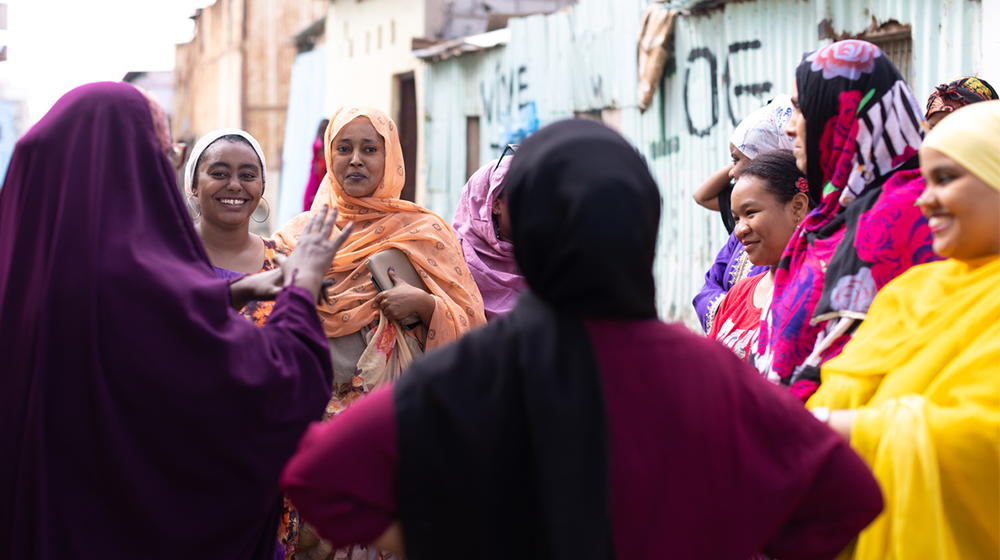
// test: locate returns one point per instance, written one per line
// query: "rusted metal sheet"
(730, 59)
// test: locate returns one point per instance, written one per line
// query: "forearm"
(707, 195)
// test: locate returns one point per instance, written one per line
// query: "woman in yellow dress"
(917, 391)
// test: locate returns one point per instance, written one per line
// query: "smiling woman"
(916, 390)
(225, 183)
(769, 201)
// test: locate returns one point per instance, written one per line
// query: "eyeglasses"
(176, 154)
(512, 148)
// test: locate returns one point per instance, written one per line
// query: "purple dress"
(731, 265)
(140, 415)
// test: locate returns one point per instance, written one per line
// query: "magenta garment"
(490, 260)
(139, 414)
(316, 173)
(698, 469)
(891, 237)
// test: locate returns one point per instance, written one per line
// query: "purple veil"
(490, 260)
(139, 414)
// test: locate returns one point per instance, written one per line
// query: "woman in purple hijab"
(140, 415)
(482, 225)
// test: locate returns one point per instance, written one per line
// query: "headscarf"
(764, 129)
(863, 129)
(922, 373)
(381, 221)
(958, 93)
(507, 412)
(490, 259)
(131, 392)
(971, 138)
(205, 141)
(161, 129)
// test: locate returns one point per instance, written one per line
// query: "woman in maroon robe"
(580, 426)
(140, 415)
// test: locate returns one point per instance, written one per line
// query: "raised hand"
(312, 257)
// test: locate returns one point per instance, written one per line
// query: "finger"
(316, 220)
(396, 280)
(327, 228)
(279, 259)
(342, 238)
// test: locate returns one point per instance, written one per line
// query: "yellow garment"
(971, 137)
(924, 373)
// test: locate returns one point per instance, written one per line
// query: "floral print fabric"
(863, 129)
(257, 311)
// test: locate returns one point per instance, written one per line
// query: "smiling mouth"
(233, 201)
(940, 222)
(749, 245)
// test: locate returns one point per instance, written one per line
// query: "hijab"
(132, 395)
(971, 138)
(490, 259)
(191, 169)
(504, 417)
(382, 221)
(764, 129)
(863, 129)
(958, 93)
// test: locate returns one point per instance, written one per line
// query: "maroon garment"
(708, 460)
(140, 416)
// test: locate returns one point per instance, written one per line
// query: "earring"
(268, 206)
(192, 205)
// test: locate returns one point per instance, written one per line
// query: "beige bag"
(379, 264)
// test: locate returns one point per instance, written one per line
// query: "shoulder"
(275, 246)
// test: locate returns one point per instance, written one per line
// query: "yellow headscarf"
(971, 137)
(382, 221)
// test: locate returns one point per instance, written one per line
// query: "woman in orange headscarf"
(364, 179)
(368, 343)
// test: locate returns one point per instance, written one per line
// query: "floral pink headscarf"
(490, 260)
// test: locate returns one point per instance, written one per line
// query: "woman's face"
(796, 130)
(763, 223)
(230, 183)
(501, 215)
(358, 158)
(740, 160)
(963, 211)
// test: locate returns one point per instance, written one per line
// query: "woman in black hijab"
(580, 426)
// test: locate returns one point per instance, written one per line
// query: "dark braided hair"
(232, 138)
(781, 176)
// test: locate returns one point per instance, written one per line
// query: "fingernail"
(392, 269)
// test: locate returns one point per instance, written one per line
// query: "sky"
(56, 45)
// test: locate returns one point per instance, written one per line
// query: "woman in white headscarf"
(762, 131)
(224, 180)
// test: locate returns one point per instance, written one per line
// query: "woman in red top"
(769, 201)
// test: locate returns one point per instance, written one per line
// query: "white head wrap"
(205, 141)
(764, 129)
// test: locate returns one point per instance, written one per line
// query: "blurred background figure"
(956, 94)
(225, 180)
(917, 390)
(138, 411)
(762, 131)
(482, 225)
(318, 168)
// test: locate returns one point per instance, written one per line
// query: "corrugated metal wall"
(584, 60)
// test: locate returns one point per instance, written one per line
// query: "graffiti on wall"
(499, 94)
(702, 61)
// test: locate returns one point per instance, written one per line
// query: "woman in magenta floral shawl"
(862, 129)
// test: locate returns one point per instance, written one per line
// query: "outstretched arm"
(707, 194)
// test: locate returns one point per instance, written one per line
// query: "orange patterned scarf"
(382, 221)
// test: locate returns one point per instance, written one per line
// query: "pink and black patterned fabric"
(863, 129)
